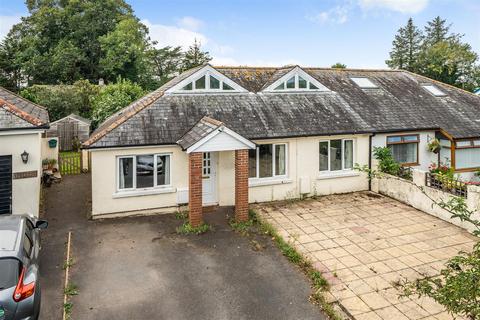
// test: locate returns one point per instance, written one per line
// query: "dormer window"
(364, 83)
(433, 90)
(296, 80)
(207, 79)
(207, 82)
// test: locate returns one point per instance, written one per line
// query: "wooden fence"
(70, 163)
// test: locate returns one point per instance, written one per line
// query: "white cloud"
(403, 6)
(166, 35)
(338, 15)
(190, 23)
(6, 23)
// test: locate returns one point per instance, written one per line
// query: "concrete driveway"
(139, 268)
(363, 242)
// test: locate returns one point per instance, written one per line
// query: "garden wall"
(418, 195)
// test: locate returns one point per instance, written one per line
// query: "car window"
(29, 226)
(27, 245)
(9, 272)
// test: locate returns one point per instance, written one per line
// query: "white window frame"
(257, 163)
(296, 72)
(368, 85)
(155, 178)
(328, 171)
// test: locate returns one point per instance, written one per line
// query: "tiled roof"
(31, 114)
(399, 103)
(200, 130)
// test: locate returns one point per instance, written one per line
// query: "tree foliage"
(62, 41)
(436, 53)
(339, 65)
(114, 97)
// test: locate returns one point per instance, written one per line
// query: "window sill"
(143, 192)
(268, 181)
(341, 174)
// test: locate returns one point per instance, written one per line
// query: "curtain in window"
(467, 158)
(125, 176)
(323, 156)
(348, 154)
(280, 160)
(335, 155)
(404, 153)
(163, 170)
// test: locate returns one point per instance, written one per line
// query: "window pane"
(324, 156)
(145, 171)
(200, 83)
(266, 161)
(313, 87)
(348, 154)
(280, 160)
(302, 83)
(335, 155)
(291, 83)
(405, 152)
(252, 163)
(27, 245)
(281, 86)
(226, 87)
(476, 143)
(467, 158)
(188, 86)
(464, 143)
(214, 83)
(10, 272)
(125, 174)
(394, 139)
(163, 170)
(410, 138)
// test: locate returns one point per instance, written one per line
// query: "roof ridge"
(10, 107)
(213, 121)
(306, 67)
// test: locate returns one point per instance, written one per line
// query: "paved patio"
(364, 242)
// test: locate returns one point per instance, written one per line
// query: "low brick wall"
(418, 195)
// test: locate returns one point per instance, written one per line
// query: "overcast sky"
(306, 32)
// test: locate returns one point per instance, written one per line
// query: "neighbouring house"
(71, 131)
(23, 146)
(234, 135)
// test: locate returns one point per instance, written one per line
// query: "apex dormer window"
(207, 79)
(296, 80)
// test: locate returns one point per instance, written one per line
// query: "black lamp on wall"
(24, 156)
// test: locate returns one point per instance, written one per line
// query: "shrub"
(386, 162)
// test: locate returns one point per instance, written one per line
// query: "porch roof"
(209, 134)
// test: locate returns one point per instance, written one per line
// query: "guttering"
(370, 160)
(42, 127)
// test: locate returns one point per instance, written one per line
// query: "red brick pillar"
(241, 185)
(195, 189)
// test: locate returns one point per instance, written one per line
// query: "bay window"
(143, 171)
(335, 155)
(267, 161)
(404, 148)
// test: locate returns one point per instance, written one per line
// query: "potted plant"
(45, 164)
(434, 146)
(49, 164)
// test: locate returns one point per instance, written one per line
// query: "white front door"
(209, 178)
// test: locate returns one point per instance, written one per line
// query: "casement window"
(335, 155)
(143, 171)
(404, 148)
(467, 154)
(268, 161)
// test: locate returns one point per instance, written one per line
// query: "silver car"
(19, 248)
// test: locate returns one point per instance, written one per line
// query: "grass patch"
(71, 290)
(187, 228)
(67, 307)
(319, 283)
(181, 214)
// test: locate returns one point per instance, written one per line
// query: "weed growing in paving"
(67, 263)
(181, 214)
(71, 290)
(319, 284)
(187, 228)
(67, 307)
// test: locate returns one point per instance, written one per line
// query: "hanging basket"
(52, 143)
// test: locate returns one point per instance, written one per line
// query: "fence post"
(419, 177)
